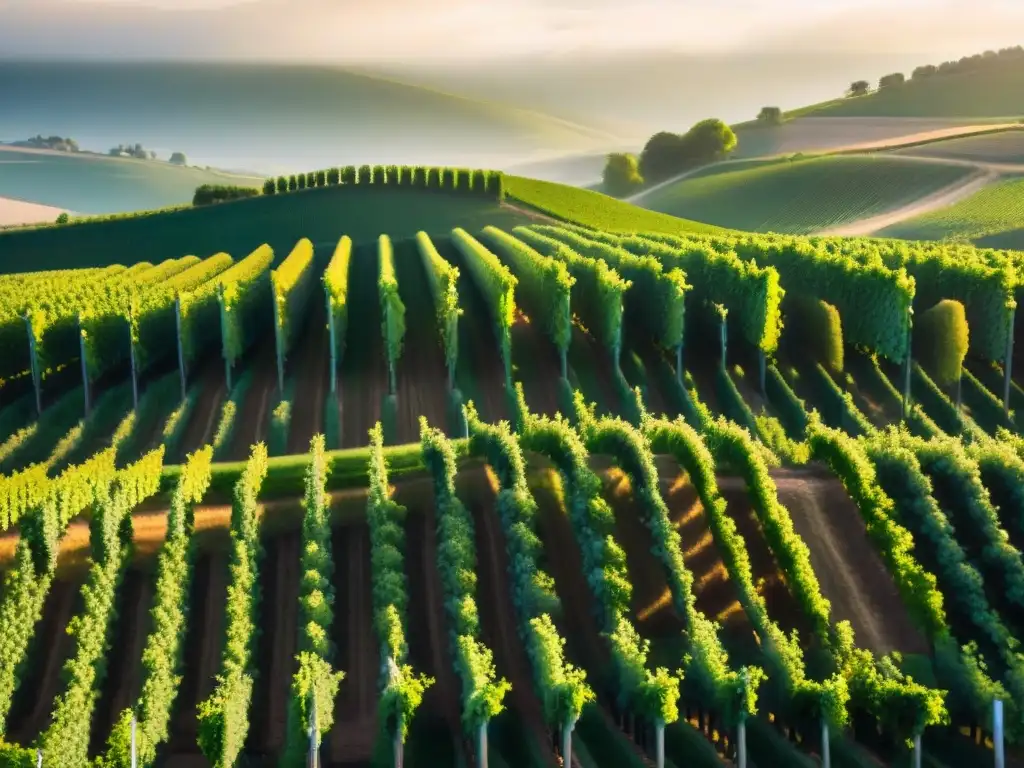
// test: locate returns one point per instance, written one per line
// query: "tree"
(859, 88)
(178, 158)
(63, 218)
(622, 174)
(924, 71)
(269, 187)
(888, 81)
(770, 116)
(668, 154)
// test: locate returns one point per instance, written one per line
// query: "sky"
(348, 31)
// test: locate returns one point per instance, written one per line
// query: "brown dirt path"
(364, 376)
(497, 615)
(851, 573)
(253, 414)
(53, 646)
(586, 355)
(478, 372)
(120, 689)
(429, 647)
(202, 652)
(203, 419)
(770, 583)
(275, 658)
(355, 713)
(310, 366)
(422, 376)
(535, 364)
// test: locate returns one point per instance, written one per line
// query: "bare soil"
(203, 647)
(479, 373)
(276, 648)
(41, 683)
(253, 414)
(588, 357)
(203, 419)
(120, 689)
(498, 618)
(850, 571)
(357, 652)
(364, 375)
(429, 645)
(535, 364)
(422, 375)
(310, 369)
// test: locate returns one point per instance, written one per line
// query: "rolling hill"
(95, 184)
(993, 217)
(801, 196)
(997, 90)
(1004, 147)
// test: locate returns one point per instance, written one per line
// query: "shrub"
(405, 175)
(379, 175)
(269, 187)
(301, 179)
(217, 193)
(333, 177)
(293, 183)
(311, 180)
(321, 177)
(349, 175)
(941, 339)
(63, 218)
(282, 184)
(449, 179)
(419, 176)
(432, 178)
(365, 175)
(816, 330)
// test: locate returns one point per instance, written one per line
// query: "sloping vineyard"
(672, 497)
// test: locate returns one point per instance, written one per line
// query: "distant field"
(971, 94)
(804, 196)
(95, 184)
(323, 215)
(821, 134)
(1005, 147)
(15, 212)
(995, 214)
(578, 170)
(593, 209)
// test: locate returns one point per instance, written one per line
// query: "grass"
(984, 93)
(1002, 146)
(804, 196)
(94, 184)
(993, 213)
(593, 209)
(322, 214)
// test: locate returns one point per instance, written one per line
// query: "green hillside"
(96, 184)
(803, 196)
(320, 214)
(1002, 147)
(991, 217)
(989, 92)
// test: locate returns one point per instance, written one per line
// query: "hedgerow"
(443, 279)
(315, 682)
(401, 688)
(162, 657)
(66, 741)
(392, 310)
(561, 688)
(482, 691)
(224, 714)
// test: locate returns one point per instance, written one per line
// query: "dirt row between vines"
(309, 368)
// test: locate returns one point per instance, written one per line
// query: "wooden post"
(826, 747)
(278, 341)
(396, 744)
(135, 755)
(224, 337)
(679, 365)
(762, 367)
(906, 375)
(135, 371)
(659, 744)
(33, 361)
(481, 746)
(997, 733)
(567, 729)
(313, 759)
(725, 340)
(741, 729)
(85, 367)
(333, 342)
(917, 751)
(39, 758)
(181, 347)
(1008, 364)
(563, 355)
